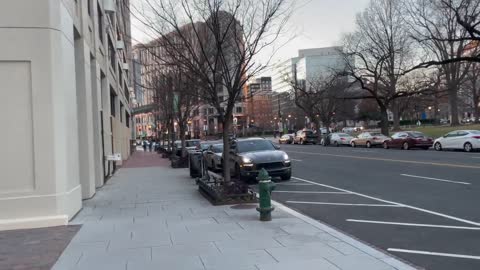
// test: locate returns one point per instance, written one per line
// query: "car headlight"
(246, 160)
(285, 157)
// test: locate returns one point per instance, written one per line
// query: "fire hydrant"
(265, 187)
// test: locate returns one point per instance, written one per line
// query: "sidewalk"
(149, 218)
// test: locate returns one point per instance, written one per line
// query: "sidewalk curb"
(373, 251)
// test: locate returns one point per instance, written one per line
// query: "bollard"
(265, 187)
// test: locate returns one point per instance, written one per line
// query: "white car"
(338, 139)
(468, 140)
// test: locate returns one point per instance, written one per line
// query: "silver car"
(213, 156)
(338, 139)
(249, 156)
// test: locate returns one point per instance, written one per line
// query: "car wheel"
(353, 144)
(467, 147)
(286, 177)
(438, 146)
(385, 145)
(405, 146)
(301, 142)
(369, 145)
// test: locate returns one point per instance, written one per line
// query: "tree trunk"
(384, 120)
(227, 122)
(182, 138)
(396, 115)
(453, 102)
(476, 100)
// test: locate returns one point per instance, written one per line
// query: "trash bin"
(195, 163)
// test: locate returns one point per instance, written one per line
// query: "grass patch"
(438, 131)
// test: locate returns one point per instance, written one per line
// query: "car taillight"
(476, 137)
(374, 138)
(343, 139)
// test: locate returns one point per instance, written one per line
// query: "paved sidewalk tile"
(149, 217)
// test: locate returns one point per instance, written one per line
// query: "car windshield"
(343, 135)
(217, 148)
(308, 132)
(254, 145)
(475, 132)
(192, 143)
(376, 134)
(204, 146)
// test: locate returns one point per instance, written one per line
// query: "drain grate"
(244, 206)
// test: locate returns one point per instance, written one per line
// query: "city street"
(421, 206)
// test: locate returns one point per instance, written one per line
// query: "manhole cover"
(244, 206)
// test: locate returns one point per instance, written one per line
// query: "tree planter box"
(219, 193)
(179, 162)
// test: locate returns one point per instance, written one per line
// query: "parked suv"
(249, 156)
(305, 136)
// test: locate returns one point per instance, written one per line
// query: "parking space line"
(310, 192)
(435, 179)
(414, 224)
(345, 204)
(293, 184)
(391, 160)
(400, 204)
(296, 159)
(434, 253)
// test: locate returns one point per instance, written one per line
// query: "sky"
(314, 24)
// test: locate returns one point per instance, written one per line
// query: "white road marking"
(346, 204)
(434, 253)
(399, 204)
(414, 224)
(475, 157)
(293, 184)
(435, 179)
(311, 192)
(296, 159)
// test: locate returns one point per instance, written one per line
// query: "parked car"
(249, 156)
(287, 138)
(468, 140)
(305, 136)
(190, 145)
(338, 139)
(369, 139)
(409, 139)
(213, 156)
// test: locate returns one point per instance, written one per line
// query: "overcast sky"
(316, 23)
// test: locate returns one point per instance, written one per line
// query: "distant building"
(259, 104)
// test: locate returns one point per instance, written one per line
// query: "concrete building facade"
(64, 71)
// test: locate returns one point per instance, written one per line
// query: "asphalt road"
(421, 206)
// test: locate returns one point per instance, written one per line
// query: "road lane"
(381, 174)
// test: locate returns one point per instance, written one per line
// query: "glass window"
(217, 148)
(254, 145)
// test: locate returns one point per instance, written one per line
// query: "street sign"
(115, 157)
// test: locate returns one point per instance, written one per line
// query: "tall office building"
(64, 70)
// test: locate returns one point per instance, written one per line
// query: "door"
(398, 139)
(448, 140)
(460, 139)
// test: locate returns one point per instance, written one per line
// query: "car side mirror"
(276, 147)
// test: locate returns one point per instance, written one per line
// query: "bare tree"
(217, 42)
(472, 84)
(378, 54)
(319, 98)
(436, 28)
